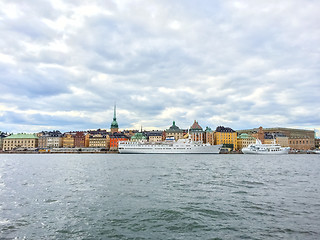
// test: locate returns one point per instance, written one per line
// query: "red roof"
(196, 125)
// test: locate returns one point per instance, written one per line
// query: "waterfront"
(117, 196)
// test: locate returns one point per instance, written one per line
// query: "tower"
(114, 124)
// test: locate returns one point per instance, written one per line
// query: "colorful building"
(244, 140)
(50, 139)
(196, 132)
(225, 136)
(114, 140)
(20, 141)
(98, 141)
(68, 140)
(154, 136)
(298, 139)
(174, 131)
(80, 139)
(208, 136)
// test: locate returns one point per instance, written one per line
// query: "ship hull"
(213, 149)
(249, 151)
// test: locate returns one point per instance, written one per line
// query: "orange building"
(114, 140)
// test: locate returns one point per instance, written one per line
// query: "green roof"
(138, 136)
(245, 136)
(22, 136)
(208, 129)
(174, 128)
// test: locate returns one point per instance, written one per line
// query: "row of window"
(298, 142)
(18, 141)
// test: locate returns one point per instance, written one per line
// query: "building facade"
(114, 140)
(244, 140)
(226, 136)
(50, 139)
(20, 141)
(196, 132)
(174, 131)
(68, 140)
(298, 139)
(209, 136)
(155, 136)
(80, 139)
(98, 141)
(2, 136)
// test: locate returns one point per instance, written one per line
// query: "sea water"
(114, 196)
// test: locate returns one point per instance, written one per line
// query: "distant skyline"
(239, 64)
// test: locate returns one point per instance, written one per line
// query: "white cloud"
(237, 63)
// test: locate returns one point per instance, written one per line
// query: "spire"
(114, 113)
(114, 124)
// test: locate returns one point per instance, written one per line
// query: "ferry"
(168, 147)
(260, 148)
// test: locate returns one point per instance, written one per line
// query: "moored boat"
(168, 147)
(260, 148)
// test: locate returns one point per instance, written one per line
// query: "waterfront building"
(226, 136)
(98, 141)
(278, 138)
(80, 139)
(174, 131)
(115, 138)
(2, 136)
(50, 139)
(209, 136)
(154, 136)
(20, 141)
(244, 140)
(114, 125)
(299, 139)
(68, 140)
(196, 132)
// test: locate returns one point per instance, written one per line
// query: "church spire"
(114, 113)
(114, 124)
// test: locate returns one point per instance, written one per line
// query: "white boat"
(317, 151)
(168, 147)
(260, 148)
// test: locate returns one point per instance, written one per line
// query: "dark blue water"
(159, 197)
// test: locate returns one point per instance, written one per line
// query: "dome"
(138, 136)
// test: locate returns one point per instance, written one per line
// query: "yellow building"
(20, 140)
(244, 140)
(68, 140)
(226, 136)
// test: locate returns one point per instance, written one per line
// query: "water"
(159, 197)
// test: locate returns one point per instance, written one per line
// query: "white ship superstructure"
(168, 147)
(260, 148)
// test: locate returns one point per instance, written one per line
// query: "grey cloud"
(134, 53)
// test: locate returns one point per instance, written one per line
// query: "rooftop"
(23, 136)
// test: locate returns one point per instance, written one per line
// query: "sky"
(239, 64)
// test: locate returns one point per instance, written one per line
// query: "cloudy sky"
(241, 64)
